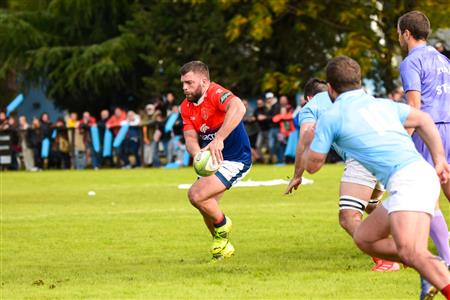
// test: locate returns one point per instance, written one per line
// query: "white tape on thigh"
(349, 202)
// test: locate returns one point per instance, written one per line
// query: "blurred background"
(72, 57)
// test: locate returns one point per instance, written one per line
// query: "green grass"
(139, 238)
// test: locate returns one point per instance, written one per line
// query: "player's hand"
(443, 171)
(293, 185)
(215, 147)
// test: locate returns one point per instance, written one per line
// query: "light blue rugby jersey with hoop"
(312, 110)
(370, 131)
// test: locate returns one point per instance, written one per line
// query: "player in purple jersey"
(425, 77)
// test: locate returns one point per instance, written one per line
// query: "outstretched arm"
(312, 161)
(304, 140)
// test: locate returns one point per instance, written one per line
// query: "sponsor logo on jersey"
(204, 128)
(208, 137)
(224, 97)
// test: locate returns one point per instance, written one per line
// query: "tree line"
(91, 54)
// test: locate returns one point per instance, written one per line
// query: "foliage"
(362, 29)
(97, 54)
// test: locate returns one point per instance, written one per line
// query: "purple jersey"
(427, 71)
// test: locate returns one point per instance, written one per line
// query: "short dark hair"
(343, 74)
(416, 23)
(314, 86)
(195, 66)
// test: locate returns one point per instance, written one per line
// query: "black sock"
(221, 223)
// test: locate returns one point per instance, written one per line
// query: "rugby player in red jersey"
(212, 119)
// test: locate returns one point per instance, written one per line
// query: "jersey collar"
(417, 48)
(352, 93)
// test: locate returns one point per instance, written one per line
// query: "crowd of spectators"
(151, 137)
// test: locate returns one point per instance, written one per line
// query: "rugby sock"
(439, 235)
(221, 223)
(446, 292)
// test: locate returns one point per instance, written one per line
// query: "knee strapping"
(353, 203)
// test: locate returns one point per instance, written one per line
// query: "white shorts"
(414, 188)
(231, 172)
(354, 172)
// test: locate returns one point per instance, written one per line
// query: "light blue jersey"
(312, 110)
(370, 131)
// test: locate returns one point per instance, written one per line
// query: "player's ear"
(331, 92)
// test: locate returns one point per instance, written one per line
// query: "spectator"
(15, 144)
(114, 123)
(60, 158)
(251, 126)
(3, 121)
(116, 120)
(274, 143)
(263, 120)
(158, 138)
(397, 95)
(286, 125)
(101, 124)
(132, 141)
(169, 103)
(84, 126)
(173, 129)
(72, 120)
(24, 142)
(35, 137)
(441, 48)
(148, 128)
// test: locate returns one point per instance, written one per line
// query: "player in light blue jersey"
(359, 189)
(372, 132)
(425, 77)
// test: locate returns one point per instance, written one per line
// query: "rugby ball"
(204, 165)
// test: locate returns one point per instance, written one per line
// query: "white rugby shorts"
(231, 172)
(415, 187)
(354, 172)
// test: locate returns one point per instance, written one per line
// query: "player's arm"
(325, 133)
(191, 139)
(312, 161)
(304, 140)
(413, 98)
(427, 130)
(235, 111)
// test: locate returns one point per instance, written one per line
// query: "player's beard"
(196, 95)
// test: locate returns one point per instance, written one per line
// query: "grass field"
(139, 238)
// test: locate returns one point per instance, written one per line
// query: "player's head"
(412, 25)
(343, 74)
(314, 86)
(195, 79)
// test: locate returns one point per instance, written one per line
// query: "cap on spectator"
(269, 95)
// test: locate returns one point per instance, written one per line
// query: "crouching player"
(212, 118)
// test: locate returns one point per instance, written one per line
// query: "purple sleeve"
(410, 73)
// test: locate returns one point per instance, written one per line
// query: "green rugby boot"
(221, 236)
(226, 252)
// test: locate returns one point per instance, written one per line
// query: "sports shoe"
(221, 236)
(427, 290)
(385, 265)
(226, 252)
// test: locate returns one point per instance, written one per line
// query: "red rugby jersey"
(207, 117)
